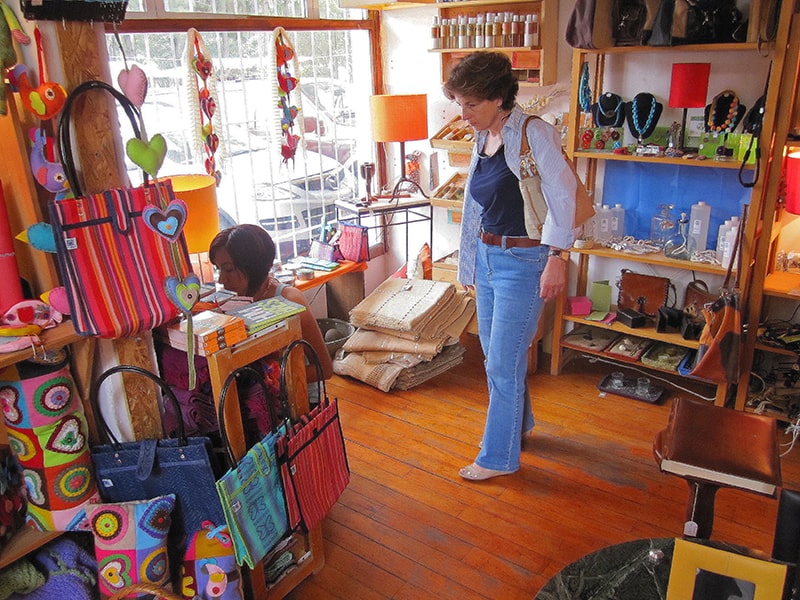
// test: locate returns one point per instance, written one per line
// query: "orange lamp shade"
(199, 192)
(689, 85)
(399, 118)
(793, 182)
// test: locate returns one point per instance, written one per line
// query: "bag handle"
(65, 138)
(526, 162)
(311, 353)
(165, 389)
(229, 380)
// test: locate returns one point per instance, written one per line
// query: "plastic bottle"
(723, 229)
(603, 231)
(436, 34)
(730, 242)
(617, 221)
(699, 217)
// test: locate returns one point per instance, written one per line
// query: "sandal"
(475, 472)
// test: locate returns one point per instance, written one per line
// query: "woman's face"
(481, 114)
(230, 277)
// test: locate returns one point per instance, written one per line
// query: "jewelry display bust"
(642, 114)
(608, 111)
(724, 113)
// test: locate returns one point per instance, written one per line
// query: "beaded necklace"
(640, 131)
(584, 93)
(609, 113)
(717, 125)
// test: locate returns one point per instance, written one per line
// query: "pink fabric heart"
(133, 83)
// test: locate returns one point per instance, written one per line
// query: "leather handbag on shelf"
(697, 295)
(145, 469)
(643, 293)
(119, 252)
(250, 491)
(311, 454)
(697, 22)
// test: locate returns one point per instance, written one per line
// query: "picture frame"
(700, 571)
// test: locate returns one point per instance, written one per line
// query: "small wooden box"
(530, 59)
(456, 136)
(451, 193)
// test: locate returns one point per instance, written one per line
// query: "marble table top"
(635, 570)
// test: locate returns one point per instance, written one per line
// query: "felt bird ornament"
(9, 28)
(44, 101)
(49, 174)
(40, 236)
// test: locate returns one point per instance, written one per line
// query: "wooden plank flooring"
(408, 527)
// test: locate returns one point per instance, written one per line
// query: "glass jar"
(680, 246)
(662, 225)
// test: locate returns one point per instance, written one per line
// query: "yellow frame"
(769, 578)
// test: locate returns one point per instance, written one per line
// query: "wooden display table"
(220, 364)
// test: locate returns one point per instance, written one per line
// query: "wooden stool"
(713, 447)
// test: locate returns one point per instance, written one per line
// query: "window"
(290, 199)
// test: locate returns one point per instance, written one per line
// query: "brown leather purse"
(642, 293)
(696, 297)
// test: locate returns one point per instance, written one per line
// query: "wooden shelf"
(59, 336)
(782, 285)
(643, 332)
(24, 541)
(654, 258)
(663, 160)
(740, 46)
(482, 3)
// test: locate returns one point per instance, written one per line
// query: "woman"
(244, 255)
(512, 273)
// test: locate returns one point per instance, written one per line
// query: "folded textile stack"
(408, 332)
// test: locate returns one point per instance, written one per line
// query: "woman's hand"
(554, 278)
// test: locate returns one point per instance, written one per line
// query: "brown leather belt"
(511, 242)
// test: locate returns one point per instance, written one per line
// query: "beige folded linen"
(402, 304)
(364, 340)
(448, 358)
(397, 358)
(380, 376)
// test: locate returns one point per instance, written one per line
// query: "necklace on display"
(638, 129)
(612, 113)
(716, 122)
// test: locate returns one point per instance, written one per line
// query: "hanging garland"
(288, 94)
(201, 86)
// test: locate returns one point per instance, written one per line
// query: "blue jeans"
(508, 308)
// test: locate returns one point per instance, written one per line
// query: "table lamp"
(688, 89)
(793, 182)
(199, 192)
(400, 118)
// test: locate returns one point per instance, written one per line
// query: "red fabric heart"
(209, 106)
(212, 142)
(202, 67)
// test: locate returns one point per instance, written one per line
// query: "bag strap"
(313, 357)
(64, 133)
(165, 389)
(229, 380)
(755, 136)
(526, 162)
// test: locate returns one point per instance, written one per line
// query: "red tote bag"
(311, 455)
(120, 261)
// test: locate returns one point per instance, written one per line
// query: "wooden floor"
(408, 527)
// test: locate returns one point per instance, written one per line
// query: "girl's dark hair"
(251, 249)
(485, 76)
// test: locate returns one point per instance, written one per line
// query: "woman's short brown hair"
(251, 249)
(484, 76)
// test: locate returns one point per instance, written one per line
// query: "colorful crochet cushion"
(130, 542)
(209, 570)
(48, 433)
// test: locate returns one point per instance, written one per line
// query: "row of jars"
(487, 30)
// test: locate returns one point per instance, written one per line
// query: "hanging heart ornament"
(133, 83)
(183, 293)
(148, 156)
(168, 223)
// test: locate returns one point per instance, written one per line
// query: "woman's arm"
(312, 334)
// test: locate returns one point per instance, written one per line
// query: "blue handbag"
(250, 492)
(144, 469)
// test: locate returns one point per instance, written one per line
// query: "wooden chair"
(712, 447)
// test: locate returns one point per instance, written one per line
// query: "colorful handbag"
(145, 469)
(250, 492)
(353, 242)
(121, 253)
(311, 454)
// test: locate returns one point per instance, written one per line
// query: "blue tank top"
(496, 189)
